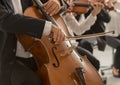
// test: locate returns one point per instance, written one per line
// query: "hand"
(52, 7)
(109, 4)
(69, 9)
(97, 8)
(77, 9)
(57, 34)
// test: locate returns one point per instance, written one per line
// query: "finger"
(47, 5)
(51, 9)
(55, 36)
(62, 37)
(58, 37)
(55, 11)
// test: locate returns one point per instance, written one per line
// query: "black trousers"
(24, 73)
(115, 43)
(116, 60)
(86, 45)
(90, 57)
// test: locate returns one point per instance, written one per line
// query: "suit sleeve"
(104, 15)
(15, 23)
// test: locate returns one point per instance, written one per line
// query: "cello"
(58, 64)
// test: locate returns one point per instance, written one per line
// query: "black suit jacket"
(99, 26)
(11, 24)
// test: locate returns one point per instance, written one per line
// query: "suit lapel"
(8, 4)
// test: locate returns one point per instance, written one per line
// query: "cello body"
(58, 64)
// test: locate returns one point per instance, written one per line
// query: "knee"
(97, 66)
(95, 62)
(25, 79)
(86, 45)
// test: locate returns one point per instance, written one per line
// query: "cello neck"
(41, 9)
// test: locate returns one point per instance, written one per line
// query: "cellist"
(12, 22)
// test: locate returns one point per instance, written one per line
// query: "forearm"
(12, 23)
(80, 27)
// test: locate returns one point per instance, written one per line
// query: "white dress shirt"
(114, 24)
(79, 27)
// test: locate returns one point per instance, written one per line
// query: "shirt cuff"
(47, 28)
